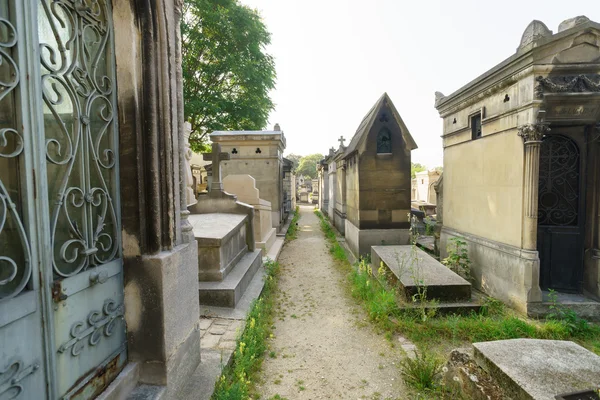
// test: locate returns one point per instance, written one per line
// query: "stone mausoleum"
(260, 155)
(369, 180)
(522, 170)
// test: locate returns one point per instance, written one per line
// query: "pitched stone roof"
(369, 120)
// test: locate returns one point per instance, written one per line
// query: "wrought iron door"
(60, 189)
(560, 236)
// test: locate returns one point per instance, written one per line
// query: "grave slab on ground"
(414, 268)
(539, 369)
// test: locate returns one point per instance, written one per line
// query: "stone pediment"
(371, 118)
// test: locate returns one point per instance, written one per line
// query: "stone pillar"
(532, 139)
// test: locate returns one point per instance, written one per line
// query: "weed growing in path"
(292, 232)
(421, 372)
(236, 381)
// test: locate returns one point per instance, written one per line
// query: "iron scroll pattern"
(11, 377)
(589, 83)
(98, 324)
(14, 272)
(558, 203)
(78, 92)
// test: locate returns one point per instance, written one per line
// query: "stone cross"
(216, 157)
(341, 140)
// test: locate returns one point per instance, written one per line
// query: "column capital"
(533, 133)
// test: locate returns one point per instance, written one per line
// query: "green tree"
(227, 73)
(416, 167)
(308, 165)
(295, 159)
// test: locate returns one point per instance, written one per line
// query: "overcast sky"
(335, 58)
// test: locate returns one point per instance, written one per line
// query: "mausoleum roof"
(369, 120)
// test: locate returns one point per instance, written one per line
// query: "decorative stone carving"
(189, 178)
(439, 96)
(567, 84)
(572, 22)
(533, 132)
(536, 30)
(216, 186)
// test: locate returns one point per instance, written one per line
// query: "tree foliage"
(308, 165)
(295, 159)
(416, 167)
(227, 73)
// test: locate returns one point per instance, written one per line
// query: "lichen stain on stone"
(133, 306)
(131, 245)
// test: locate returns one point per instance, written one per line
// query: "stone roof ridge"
(369, 119)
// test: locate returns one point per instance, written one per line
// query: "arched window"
(384, 141)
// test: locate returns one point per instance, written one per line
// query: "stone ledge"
(211, 230)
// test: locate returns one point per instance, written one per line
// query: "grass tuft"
(292, 232)
(237, 379)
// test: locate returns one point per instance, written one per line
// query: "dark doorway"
(560, 214)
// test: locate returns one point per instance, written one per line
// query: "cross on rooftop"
(216, 157)
(341, 140)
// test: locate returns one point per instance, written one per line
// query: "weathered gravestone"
(224, 231)
(539, 369)
(415, 269)
(244, 187)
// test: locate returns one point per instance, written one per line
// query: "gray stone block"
(414, 268)
(539, 369)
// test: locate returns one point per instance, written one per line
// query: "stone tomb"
(539, 369)
(227, 255)
(413, 268)
(244, 187)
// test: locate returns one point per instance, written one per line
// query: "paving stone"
(210, 341)
(227, 344)
(222, 322)
(205, 323)
(217, 330)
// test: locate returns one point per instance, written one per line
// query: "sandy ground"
(324, 347)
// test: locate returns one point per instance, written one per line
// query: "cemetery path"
(324, 346)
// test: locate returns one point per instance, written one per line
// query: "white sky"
(334, 58)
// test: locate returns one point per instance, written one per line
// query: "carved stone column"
(532, 138)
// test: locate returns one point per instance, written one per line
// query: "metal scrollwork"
(11, 377)
(77, 89)
(558, 203)
(98, 324)
(15, 270)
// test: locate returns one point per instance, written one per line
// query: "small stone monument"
(244, 187)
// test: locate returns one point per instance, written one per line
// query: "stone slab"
(413, 268)
(213, 228)
(539, 369)
(275, 250)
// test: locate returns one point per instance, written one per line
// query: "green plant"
(236, 380)
(458, 258)
(292, 232)
(429, 226)
(572, 322)
(421, 372)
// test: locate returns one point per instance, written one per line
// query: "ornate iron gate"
(62, 332)
(559, 221)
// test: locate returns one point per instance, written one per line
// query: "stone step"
(147, 392)
(414, 268)
(452, 307)
(229, 291)
(275, 250)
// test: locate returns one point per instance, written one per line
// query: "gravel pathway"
(324, 346)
